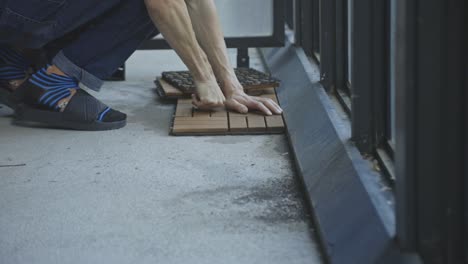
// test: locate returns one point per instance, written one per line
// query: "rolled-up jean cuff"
(72, 70)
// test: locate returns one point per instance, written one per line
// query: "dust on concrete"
(281, 198)
(229, 140)
(272, 202)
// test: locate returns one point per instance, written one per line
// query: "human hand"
(209, 96)
(241, 102)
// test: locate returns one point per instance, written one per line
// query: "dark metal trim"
(345, 194)
(275, 40)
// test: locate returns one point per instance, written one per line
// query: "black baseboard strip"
(354, 215)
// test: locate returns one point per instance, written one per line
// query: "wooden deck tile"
(190, 121)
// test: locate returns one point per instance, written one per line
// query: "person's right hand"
(209, 96)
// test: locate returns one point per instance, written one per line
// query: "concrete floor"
(137, 195)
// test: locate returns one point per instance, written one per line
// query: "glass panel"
(246, 18)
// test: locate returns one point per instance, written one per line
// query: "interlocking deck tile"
(190, 121)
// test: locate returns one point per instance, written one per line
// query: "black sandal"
(5, 96)
(83, 112)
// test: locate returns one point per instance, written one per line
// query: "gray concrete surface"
(137, 195)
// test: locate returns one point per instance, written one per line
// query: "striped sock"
(13, 65)
(56, 88)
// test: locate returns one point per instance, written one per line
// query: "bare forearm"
(208, 31)
(173, 21)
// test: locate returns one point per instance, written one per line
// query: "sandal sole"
(28, 116)
(7, 99)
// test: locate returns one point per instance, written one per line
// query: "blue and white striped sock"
(13, 65)
(56, 88)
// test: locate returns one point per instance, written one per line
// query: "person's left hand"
(209, 96)
(241, 102)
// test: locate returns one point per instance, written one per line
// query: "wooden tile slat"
(184, 110)
(236, 114)
(221, 113)
(169, 90)
(185, 101)
(198, 113)
(271, 96)
(191, 125)
(256, 122)
(275, 123)
(237, 124)
(201, 121)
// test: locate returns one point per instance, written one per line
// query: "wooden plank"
(270, 96)
(185, 101)
(256, 122)
(169, 90)
(260, 92)
(200, 113)
(197, 125)
(220, 113)
(200, 120)
(238, 124)
(236, 114)
(275, 123)
(184, 110)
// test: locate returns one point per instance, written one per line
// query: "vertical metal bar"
(341, 47)
(452, 139)
(289, 13)
(307, 26)
(243, 59)
(298, 22)
(465, 132)
(328, 44)
(362, 73)
(405, 161)
(430, 160)
(279, 18)
(316, 25)
(429, 68)
(380, 66)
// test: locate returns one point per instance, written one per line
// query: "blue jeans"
(89, 39)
